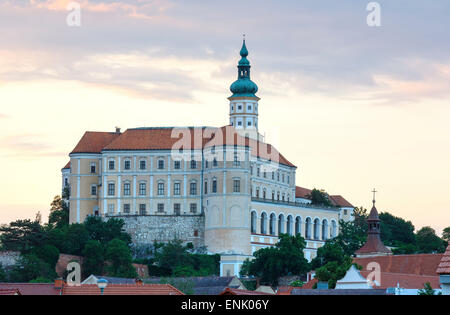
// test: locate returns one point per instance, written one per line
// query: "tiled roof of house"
(67, 166)
(94, 142)
(9, 292)
(336, 200)
(296, 291)
(340, 201)
(301, 192)
(287, 290)
(406, 281)
(31, 288)
(373, 245)
(444, 265)
(419, 264)
(167, 138)
(116, 280)
(122, 289)
(212, 285)
(229, 291)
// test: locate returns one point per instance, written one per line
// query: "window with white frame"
(126, 189)
(193, 188)
(111, 165)
(142, 189)
(93, 168)
(94, 190)
(236, 185)
(142, 209)
(111, 189)
(142, 165)
(193, 207)
(176, 188)
(127, 165)
(160, 164)
(126, 208)
(177, 165)
(214, 186)
(160, 207)
(160, 189)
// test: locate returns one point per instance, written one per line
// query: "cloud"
(4, 116)
(27, 146)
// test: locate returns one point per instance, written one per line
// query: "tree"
(119, 258)
(285, 258)
(329, 252)
(30, 267)
(3, 276)
(427, 290)
(75, 238)
(396, 231)
(429, 242)
(48, 253)
(319, 197)
(59, 213)
(106, 231)
(446, 234)
(172, 255)
(22, 235)
(94, 258)
(332, 271)
(405, 249)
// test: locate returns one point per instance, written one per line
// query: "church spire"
(243, 86)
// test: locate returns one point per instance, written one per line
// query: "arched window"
(308, 228)
(298, 226)
(324, 230)
(280, 224)
(289, 225)
(333, 229)
(316, 229)
(263, 223)
(253, 222)
(272, 226)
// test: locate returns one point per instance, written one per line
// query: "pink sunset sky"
(354, 107)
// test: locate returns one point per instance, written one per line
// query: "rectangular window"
(160, 164)
(215, 162)
(160, 207)
(111, 209)
(111, 189)
(193, 164)
(126, 189)
(142, 209)
(177, 165)
(94, 190)
(111, 165)
(257, 172)
(126, 208)
(214, 186)
(176, 209)
(93, 170)
(127, 165)
(282, 178)
(236, 185)
(206, 188)
(193, 207)
(160, 189)
(142, 189)
(193, 189)
(236, 161)
(142, 165)
(176, 189)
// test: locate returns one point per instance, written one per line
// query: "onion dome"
(243, 86)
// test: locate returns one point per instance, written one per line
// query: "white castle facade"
(224, 188)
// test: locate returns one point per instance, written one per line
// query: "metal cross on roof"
(374, 192)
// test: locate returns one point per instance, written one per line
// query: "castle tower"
(244, 102)
(373, 246)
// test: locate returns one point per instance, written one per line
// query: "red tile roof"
(94, 142)
(31, 288)
(444, 265)
(406, 281)
(122, 289)
(340, 201)
(420, 264)
(229, 291)
(9, 292)
(287, 290)
(301, 192)
(373, 245)
(166, 138)
(67, 166)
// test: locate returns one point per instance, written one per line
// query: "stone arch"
(253, 221)
(281, 223)
(272, 224)
(263, 223)
(316, 228)
(298, 225)
(333, 228)
(308, 227)
(324, 229)
(289, 224)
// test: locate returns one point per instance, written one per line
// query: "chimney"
(117, 129)
(59, 285)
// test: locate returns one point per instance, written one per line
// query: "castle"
(223, 188)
